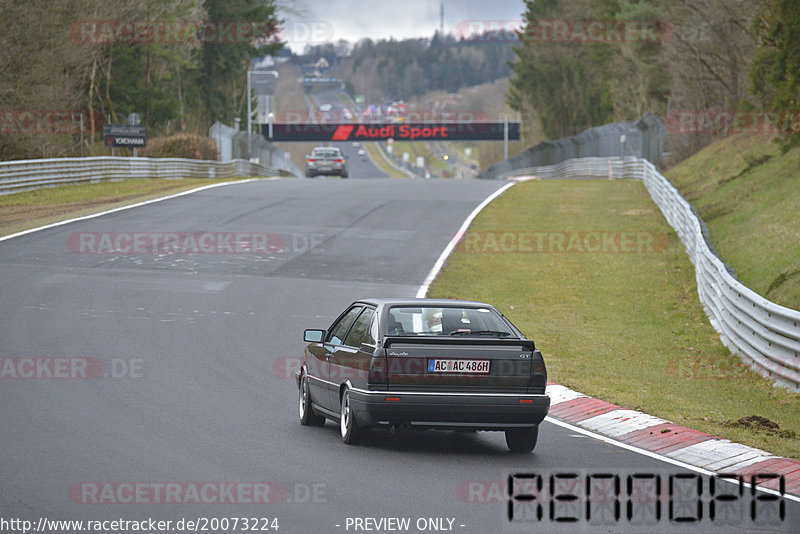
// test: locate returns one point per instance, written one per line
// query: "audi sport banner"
(124, 136)
(417, 131)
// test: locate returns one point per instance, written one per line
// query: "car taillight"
(311, 160)
(339, 161)
(377, 370)
(538, 376)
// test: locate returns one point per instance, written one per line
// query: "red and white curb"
(666, 439)
(645, 433)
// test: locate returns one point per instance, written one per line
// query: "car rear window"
(445, 321)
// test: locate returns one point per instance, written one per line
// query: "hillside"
(748, 193)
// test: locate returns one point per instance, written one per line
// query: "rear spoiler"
(526, 344)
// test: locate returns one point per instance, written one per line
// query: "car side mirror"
(313, 335)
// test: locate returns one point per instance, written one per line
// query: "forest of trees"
(179, 63)
(723, 56)
(402, 69)
(412, 67)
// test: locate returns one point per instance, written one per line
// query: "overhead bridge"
(414, 131)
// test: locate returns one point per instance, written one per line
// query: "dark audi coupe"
(422, 364)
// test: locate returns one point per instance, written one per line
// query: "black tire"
(522, 440)
(307, 415)
(344, 175)
(309, 174)
(351, 432)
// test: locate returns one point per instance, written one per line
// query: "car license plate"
(477, 367)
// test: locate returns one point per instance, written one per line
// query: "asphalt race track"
(199, 351)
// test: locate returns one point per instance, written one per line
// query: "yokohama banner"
(442, 131)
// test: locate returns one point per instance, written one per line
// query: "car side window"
(339, 330)
(360, 333)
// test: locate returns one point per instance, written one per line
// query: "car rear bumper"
(334, 171)
(441, 410)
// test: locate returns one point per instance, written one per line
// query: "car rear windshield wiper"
(480, 333)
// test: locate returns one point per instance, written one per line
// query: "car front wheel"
(351, 432)
(307, 415)
(522, 440)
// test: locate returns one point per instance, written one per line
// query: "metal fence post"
(505, 137)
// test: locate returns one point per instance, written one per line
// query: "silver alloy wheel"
(344, 420)
(303, 397)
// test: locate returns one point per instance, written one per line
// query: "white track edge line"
(656, 456)
(129, 206)
(423, 289)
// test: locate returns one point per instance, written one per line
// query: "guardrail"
(23, 175)
(764, 334)
(405, 167)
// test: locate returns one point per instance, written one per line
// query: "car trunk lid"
(463, 364)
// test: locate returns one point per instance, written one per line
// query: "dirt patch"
(782, 278)
(758, 423)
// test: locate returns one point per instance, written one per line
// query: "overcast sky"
(315, 21)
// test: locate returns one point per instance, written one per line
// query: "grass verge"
(622, 323)
(31, 209)
(748, 193)
(374, 154)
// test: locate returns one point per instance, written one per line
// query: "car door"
(351, 359)
(333, 343)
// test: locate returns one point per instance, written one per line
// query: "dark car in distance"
(423, 364)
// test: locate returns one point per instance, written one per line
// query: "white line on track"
(654, 455)
(129, 206)
(423, 290)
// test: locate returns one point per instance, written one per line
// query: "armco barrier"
(642, 139)
(35, 173)
(764, 334)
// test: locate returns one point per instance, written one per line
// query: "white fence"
(762, 333)
(35, 173)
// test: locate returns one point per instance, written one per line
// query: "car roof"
(420, 302)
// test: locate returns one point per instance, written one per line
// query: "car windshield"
(325, 153)
(445, 321)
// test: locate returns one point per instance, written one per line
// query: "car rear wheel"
(522, 440)
(307, 415)
(351, 432)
